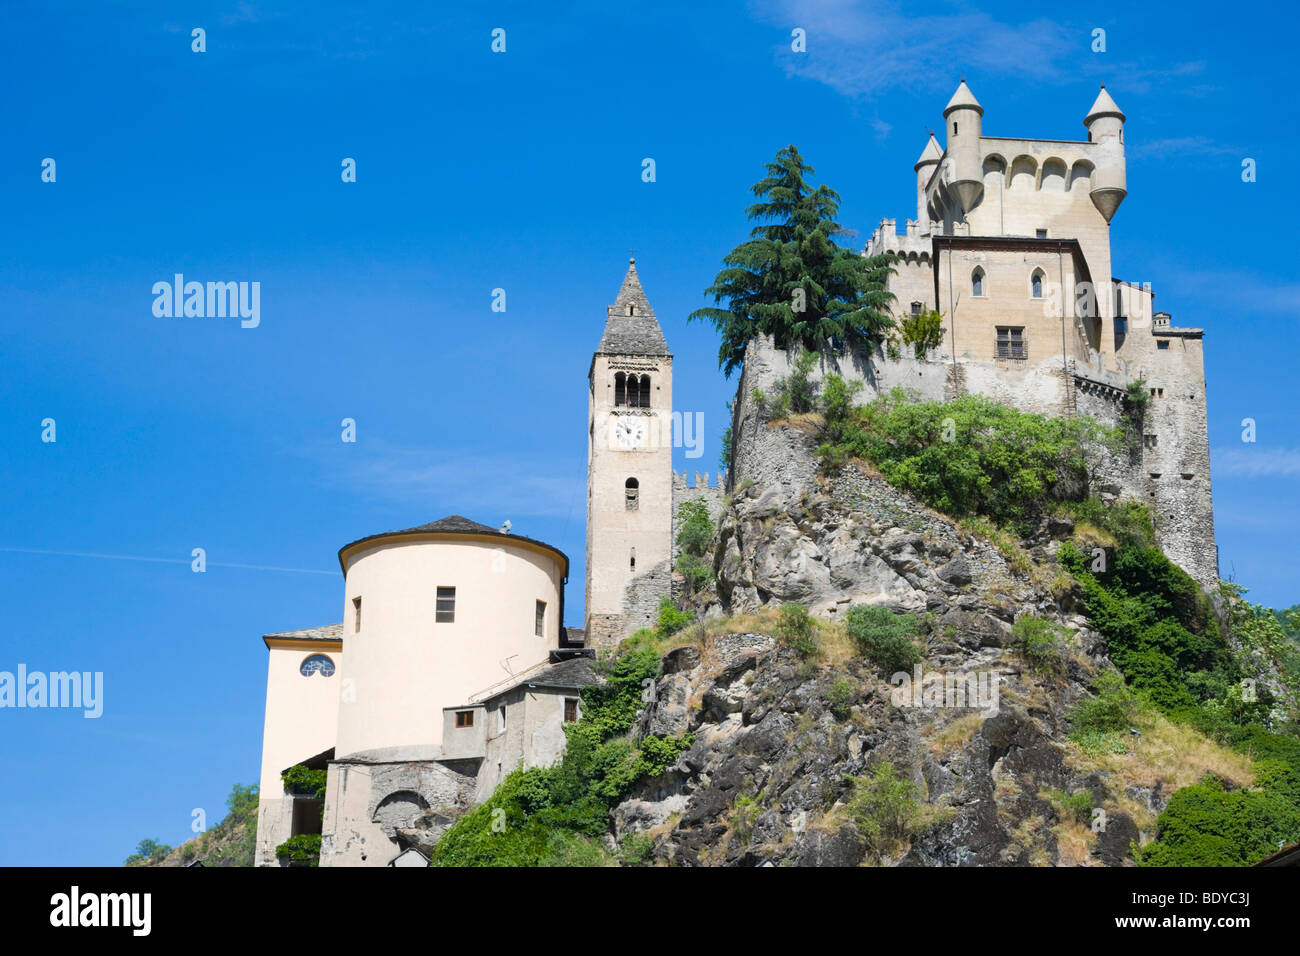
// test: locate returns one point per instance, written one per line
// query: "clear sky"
(476, 171)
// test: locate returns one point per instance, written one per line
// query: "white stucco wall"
(403, 667)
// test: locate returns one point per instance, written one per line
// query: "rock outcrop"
(779, 735)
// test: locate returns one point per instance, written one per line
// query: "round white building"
(434, 616)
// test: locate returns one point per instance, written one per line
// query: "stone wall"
(1170, 472)
(368, 799)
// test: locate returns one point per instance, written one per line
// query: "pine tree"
(790, 280)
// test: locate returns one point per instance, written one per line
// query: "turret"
(925, 166)
(1105, 123)
(963, 117)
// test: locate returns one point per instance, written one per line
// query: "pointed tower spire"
(1104, 106)
(630, 324)
(931, 154)
(963, 99)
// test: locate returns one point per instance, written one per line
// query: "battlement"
(702, 482)
(914, 243)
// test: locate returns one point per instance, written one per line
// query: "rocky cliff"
(791, 738)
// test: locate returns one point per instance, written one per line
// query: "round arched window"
(317, 664)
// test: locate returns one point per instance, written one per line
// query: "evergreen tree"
(790, 280)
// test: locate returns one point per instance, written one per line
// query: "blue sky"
(478, 171)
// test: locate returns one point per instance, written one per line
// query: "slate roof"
(636, 334)
(456, 524)
(572, 674)
(327, 632)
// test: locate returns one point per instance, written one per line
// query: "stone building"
(1011, 245)
(453, 666)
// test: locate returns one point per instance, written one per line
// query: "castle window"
(916, 308)
(1036, 284)
(632, 561)
(446, 609)
(1151, 440)
(631, 309)
(570, 710)
(620, 388)
(977, 282)
(539, 619)
(1041, 234)
(464, 718)
(631, 494)
(1162, 345)
(1011, 342)
(501, 719)
(356, 615)
(954, 128)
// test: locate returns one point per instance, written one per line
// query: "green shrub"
(557, 816)
(972, 455)
(303, 848)
(670, 619)
(636, 850)
(884, 807)
(1114, 708)
(796, 628)
(1073, 806)
(148, 851)
(694, 528)
(1036, 640)
(1208, 825)
(923, 332)
(301, 781)
(797, 392)
(887, 639)
(839, 698)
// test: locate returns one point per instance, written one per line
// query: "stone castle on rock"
(452, 665)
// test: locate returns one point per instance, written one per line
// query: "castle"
(452, 665)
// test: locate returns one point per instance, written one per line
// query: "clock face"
(629, 433)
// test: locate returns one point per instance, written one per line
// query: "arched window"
(631, 494)
(645, 391)
(1036, 283)
(977, 282)
(620, 388)
(316, 664)
(631, 309)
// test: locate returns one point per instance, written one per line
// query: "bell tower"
(629, 469)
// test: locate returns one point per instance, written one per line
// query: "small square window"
(1162, 345)
(1011, 342)
(446, 609)
(539, 622)
(464, 718)
(1041, 234)
(570, 710)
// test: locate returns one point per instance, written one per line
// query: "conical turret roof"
(1104, 106)
(963, 98)
(931, 154)
(630, 324)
